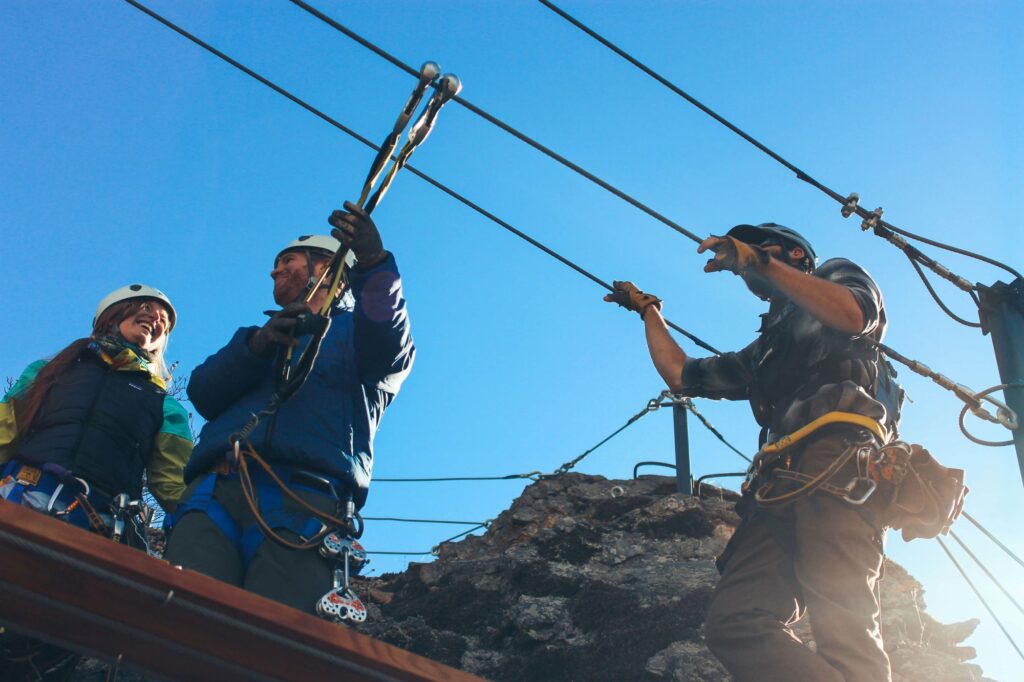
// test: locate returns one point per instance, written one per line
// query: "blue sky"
(130, 154)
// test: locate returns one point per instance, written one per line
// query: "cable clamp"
(873, 219)
(851, 205)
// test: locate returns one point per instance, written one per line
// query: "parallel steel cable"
(423, 176)
(410, 70)
(437, 521)
(982, 566)
(547, 151)
(511, 477)
(980, 598)
(800, 174)
(993, 538)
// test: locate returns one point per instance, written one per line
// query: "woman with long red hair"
(81, 434)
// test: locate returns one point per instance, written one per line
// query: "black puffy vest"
(99, 423)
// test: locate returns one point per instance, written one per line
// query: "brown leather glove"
(628, 296)
(355, 229)
(733, 255)
(278, 329)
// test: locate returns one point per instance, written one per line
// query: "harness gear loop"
(851, 205)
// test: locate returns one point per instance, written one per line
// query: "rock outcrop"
(589, 579)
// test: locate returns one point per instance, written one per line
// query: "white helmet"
(323, 244)
(133, 291)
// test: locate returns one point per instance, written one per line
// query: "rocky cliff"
(589, 579)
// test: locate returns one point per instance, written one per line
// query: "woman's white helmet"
(133, 291)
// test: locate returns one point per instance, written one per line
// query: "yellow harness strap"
(868, 423)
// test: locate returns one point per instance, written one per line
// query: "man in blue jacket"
(319, 442)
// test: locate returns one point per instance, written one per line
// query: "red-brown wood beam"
(84, 592)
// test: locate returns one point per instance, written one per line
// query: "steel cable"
(800, 174)
(980, 598)
(982, 566)
(547, 151)
(993, 538)
(423, 176)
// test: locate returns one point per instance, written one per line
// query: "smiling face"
(290, 275)
(146, 325)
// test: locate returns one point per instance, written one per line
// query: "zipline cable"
(800, 174)
(848, 208)
(982, 566)
(423, 176)
(980, 598)
(993, 538)
(547, 151)
(1004, 417)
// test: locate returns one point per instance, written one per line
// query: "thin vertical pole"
(1002, 315)
(684, 482)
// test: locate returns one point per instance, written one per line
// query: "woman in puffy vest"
(82, 433)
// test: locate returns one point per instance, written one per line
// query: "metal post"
(684, 482)
(1002, 315)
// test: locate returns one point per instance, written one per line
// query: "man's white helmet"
(133, 291)
(323, 244)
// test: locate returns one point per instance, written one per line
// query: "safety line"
(436, 548)
(991, 537)
(400, 520)
(696, 413)
(533, 476)
(423, 176)
(547, 151)
(980, 598)
(982, 566)
(632, 420)
(800, 174)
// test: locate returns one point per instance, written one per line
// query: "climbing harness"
(924, 497)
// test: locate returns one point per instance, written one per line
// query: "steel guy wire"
(848, 208)
(848, 201)
(547, 151)
(980, 598)
(912, 364)
(437, 521)
(993, 538)
(423, 176)
(436, 549)
(688, 404)
(533, 476)
(987, 572)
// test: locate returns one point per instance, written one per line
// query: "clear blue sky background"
(130, 154)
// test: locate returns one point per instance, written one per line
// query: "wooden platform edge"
(84, 592)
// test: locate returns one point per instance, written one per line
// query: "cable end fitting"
(850, 207)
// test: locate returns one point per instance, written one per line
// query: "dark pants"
(821, 555)
(292, 577)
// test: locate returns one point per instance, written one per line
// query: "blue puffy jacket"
(328, 425)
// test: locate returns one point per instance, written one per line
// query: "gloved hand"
(733, 255)
(354, 228)
(278, 329)
(628, 296)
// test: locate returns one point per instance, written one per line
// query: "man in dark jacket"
(809, 367)
(319, 442)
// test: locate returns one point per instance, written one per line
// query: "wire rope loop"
(1004, 416)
